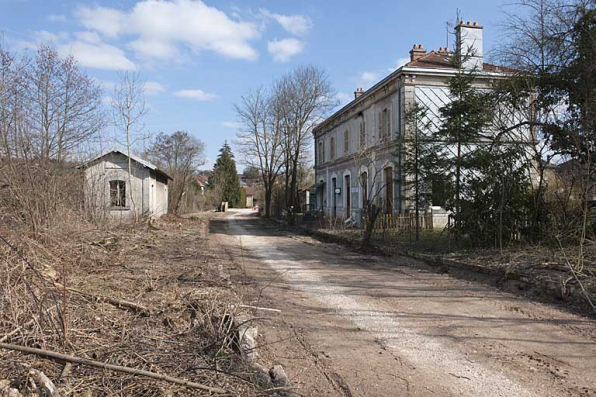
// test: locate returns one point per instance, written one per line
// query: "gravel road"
(356, 325)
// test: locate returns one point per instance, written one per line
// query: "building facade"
(114, 192)
(358, 150)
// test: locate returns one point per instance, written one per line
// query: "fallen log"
(116, 368)
(113, 301)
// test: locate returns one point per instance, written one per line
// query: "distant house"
(203, 183)
(251, 201)
(112, 191)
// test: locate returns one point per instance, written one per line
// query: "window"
(364, 184)
(346, 142)
(321, 153)
(118, 194)
(387, 122)
(332, 154)
(362, 134)
(389, 190)
(384, 123)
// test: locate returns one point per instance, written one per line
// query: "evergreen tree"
(225, 177)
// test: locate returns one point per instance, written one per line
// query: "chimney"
(444, 51)
(469, 45)
(358, 92)
(417, 52)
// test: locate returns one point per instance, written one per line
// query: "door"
(334, 203)
(348, 197)
(389, 190)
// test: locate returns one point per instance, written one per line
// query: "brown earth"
(356, 325)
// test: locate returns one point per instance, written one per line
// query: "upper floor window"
(332, 148)
(321, 153)
(384, 123)
(346, 141)
(118, 194)
(362, 134)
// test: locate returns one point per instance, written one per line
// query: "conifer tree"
(225, 177)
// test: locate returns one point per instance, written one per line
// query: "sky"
(199, 57)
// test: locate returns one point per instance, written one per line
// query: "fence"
(388, 224)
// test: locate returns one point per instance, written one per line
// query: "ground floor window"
(118, 194)
(389, 190)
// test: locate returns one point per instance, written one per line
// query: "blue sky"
(199, 57)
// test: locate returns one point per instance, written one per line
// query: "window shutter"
(388, 131)
(380, 125)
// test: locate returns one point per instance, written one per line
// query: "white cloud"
(283, 50)
(43, 36)
(399, 63)
(197, 94)
(153, 88)
(91, 52)
(231, 124)
(107, 21)
(343, 98)
(297, 25)
(161, 28)
(369, 78)
(105, 84)
(56, 18)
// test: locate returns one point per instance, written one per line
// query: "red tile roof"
(202, 180)
(436, 60)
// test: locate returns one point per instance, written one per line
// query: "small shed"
(113, 191)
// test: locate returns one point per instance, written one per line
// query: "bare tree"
(180, 155)
(48, 109)
(303, 98)
(260, 138)
(65, 104)
(372, 181)
(128, 106)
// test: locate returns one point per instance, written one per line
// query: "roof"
(249, 191)
(431, 60)
(139, 160)
(202, 180)
(441, 60)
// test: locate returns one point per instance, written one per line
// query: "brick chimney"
(359, 91)
(417, 52)
(469, 45)
(444, 51)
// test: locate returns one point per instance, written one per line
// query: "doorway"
(334, 203)
(348, 196)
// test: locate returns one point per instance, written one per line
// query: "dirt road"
(355, 325)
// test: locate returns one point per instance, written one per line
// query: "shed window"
(118, 194)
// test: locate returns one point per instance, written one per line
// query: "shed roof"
(139, 160)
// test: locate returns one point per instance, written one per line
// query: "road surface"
(357, 325)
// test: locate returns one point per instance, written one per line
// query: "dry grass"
(172, 270)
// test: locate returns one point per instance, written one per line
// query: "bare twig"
(116, 368)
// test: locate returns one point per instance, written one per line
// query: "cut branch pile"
(148, 316)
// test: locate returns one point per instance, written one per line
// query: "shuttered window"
(321, 153)
(362, 134)
(388, 122)
(332, 149)
(346, 141)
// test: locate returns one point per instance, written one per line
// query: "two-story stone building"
(359, 145)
